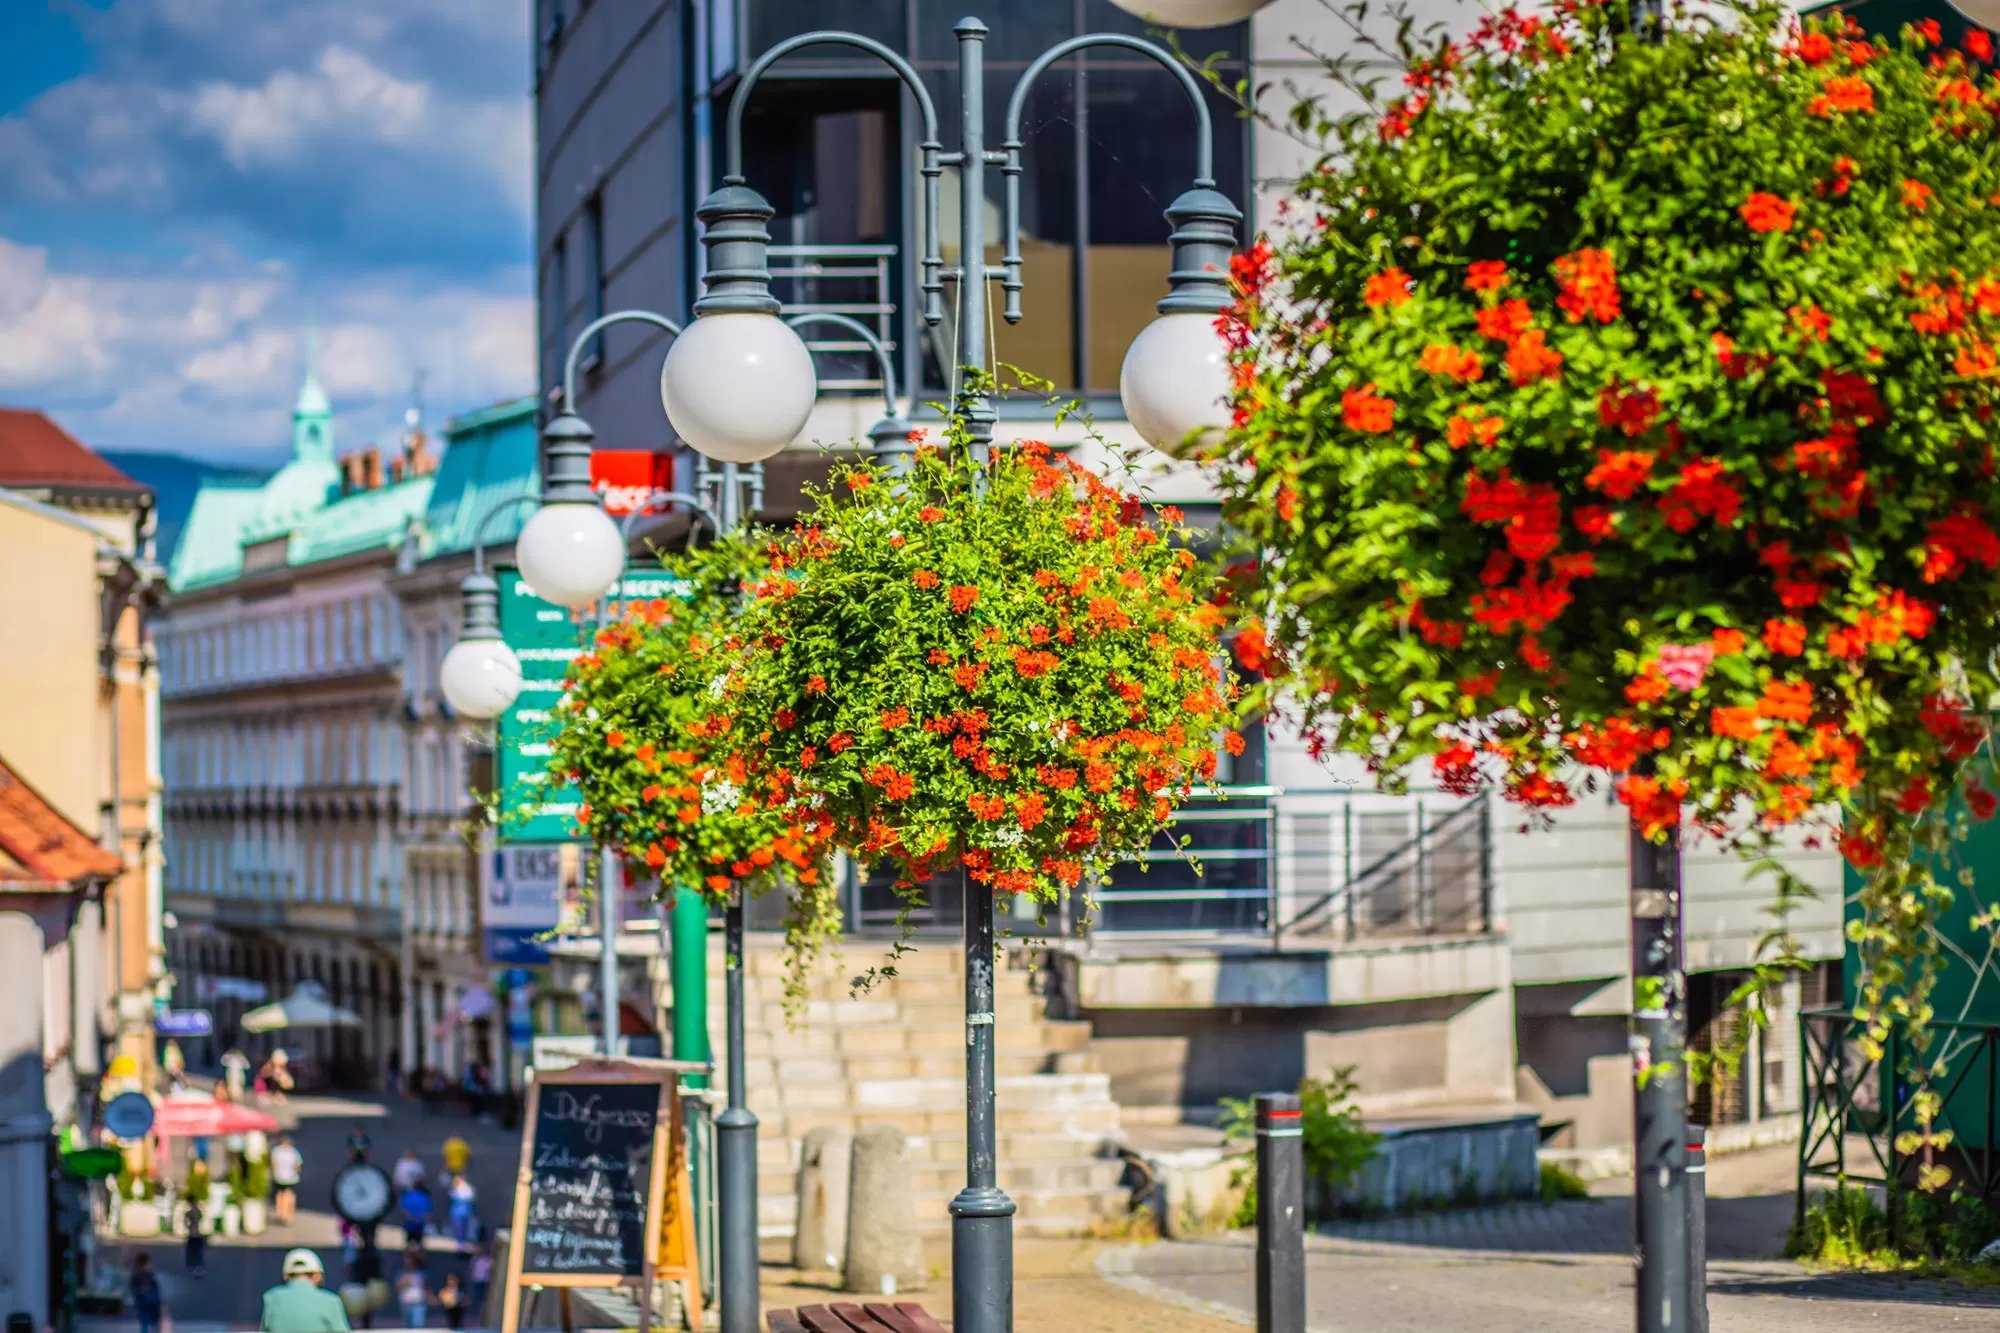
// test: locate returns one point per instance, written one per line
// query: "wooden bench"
(902, 1317)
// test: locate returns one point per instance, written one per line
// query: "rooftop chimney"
(371, 469)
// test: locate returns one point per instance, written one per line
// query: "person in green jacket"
(299, 1304)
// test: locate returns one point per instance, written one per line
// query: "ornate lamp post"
(738, 352)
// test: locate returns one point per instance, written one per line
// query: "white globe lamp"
(1175, 384)
(480, 677)
(1175, 380)
(570, 552)
(1192, 13)
(738, 385)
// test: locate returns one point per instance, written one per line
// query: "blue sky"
(188, 186)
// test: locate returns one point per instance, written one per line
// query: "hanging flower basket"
(1622, 411)
(1013, 666)
(649, 734)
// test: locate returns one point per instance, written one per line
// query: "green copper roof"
(360, 522)
(491, 456)
(210, 549)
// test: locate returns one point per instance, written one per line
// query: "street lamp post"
(737, 352)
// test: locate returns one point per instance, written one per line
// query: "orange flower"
(1766, 212)
(924, 578)
(1451, 360)
(1506, 321)
(963, 595)
(1916, 195)
(1727, 642)
(1030, 810)
(1364, 410)
(1588, 282)
(1485, 275)
(615, 739)
(1475, 428)
(1531, 359)
(894, 717)
(1390, 287)
(1736, 723)
(1840, 95)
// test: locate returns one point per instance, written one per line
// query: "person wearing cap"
(299, 1304)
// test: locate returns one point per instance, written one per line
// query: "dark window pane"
(1043, 343)
(1140, 155)
(1020, 29)
(771, 21)
(827, 155)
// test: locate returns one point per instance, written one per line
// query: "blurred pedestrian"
(409, 1170)
(194, 1255)
(418, 1210)
(451, 1299)
(144, 1288)
(358, 1143)
(482, 1274)
(235, 1072)
(463, 1217)
(413, 1293)
(286, 1164)
(350, 1249)
(299, 1304)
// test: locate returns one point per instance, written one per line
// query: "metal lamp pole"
(738, 280)
(568, 441)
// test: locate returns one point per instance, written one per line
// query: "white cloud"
(345, 95)
(207, 355)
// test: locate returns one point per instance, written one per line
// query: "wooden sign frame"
(669, 1155)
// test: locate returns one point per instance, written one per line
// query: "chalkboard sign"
(603, 1197)
(590, 1173)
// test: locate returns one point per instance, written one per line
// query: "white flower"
(720, 796)
(717, 686)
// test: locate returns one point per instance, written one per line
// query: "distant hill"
(175, 478)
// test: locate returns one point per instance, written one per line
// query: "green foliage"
(256, 1181)
(1336, 1142)
(1559, 1183)
(652, 734)
(1619, 412)
(1847, 1227)
(1007, 663)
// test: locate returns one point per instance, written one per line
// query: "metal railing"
(1310, 866)
(853, 280)
(1847, 1094)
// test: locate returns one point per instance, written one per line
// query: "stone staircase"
(896, 1055)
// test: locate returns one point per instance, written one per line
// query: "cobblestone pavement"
(1561, 1266)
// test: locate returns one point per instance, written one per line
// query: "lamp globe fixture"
(1175, 383)
(1191, 13)
(1985, 13)
(570, 552)
(480, 678)
(738, 385)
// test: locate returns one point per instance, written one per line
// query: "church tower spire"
(312, 417)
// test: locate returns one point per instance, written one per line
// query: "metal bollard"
(1281, 1215)
(1697, 1228)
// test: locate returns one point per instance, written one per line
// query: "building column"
(24, 1123)
(86, 996)
(410, 1020)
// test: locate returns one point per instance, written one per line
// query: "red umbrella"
(189, 1118)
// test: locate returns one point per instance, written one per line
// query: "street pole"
(1281, 1214)
(736, 1127)
(1659, 1100)
(686, 924)
(607, 919)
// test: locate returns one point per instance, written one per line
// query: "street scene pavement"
(1557, 1266)
(239, 1269)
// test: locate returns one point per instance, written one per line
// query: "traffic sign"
(537, 806)
(184, 1023)
(129, 1115)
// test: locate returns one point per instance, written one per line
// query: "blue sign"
(184, 1023)
(523, 904)
(128, 1115)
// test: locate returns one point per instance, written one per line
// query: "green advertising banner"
(535, 806)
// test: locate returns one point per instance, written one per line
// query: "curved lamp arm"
(656, 501)
(591, 330)
(1204, 148)
(932, 259)
(486, 520)
(866, 335)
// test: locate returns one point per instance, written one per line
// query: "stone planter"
(232, 1219)
(139, 1218)
(256, 1215)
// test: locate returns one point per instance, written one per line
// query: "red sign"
(626, 478)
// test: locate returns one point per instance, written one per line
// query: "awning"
(202, 1118)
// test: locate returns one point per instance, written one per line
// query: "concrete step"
(1039, 1211)
(915, 1039)
(1079, 1129)
(837, 1067)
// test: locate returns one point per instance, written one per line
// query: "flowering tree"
(1621, 410)
(1008, 666)
(652, 732)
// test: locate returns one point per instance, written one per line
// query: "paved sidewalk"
(1532, 1267)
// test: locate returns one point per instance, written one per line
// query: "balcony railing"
(852, 280)
(1304, 867)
